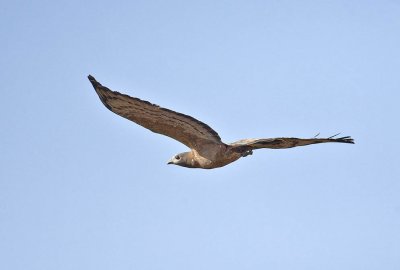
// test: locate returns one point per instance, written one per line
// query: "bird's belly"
(218, 162)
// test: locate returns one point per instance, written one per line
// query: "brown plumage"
(207, 149)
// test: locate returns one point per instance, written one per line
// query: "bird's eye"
(177, 157)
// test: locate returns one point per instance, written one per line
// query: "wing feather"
(281, 143)
(183, 128)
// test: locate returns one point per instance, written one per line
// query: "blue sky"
(81, 188)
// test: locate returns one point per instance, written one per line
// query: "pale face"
(181, 159)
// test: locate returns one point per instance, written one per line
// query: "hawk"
(207, 151)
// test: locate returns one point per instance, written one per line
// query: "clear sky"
(82, 188)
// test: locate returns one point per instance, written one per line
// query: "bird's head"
(182, 159)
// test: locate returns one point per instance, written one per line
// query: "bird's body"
(223, 155)
(207, 149)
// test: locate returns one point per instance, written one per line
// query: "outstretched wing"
(181, 127)
(281, 143)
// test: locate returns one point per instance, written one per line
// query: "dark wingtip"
(346, 139)
(93, 81)
(99, 89)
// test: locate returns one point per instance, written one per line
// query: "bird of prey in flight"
(207, 151)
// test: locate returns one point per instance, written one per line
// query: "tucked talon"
(249, 152)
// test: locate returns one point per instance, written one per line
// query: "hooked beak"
(170, 162)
